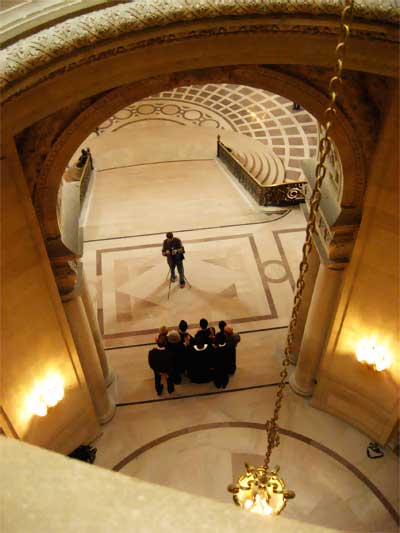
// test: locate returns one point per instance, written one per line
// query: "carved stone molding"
(60, 43)
(35, 143)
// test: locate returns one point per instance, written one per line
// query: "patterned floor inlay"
(246, 278)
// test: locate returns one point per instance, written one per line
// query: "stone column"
(310, 277)
(80, 328)
(320, 314)
(94, 326)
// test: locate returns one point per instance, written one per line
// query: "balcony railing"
(279, 194)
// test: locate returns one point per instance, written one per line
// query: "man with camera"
(174, 252)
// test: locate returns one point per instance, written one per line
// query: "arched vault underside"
(59, 84)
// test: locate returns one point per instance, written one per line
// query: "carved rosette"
(284, 194)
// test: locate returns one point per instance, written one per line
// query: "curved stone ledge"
(61, 41)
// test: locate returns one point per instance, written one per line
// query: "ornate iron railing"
(279, 194)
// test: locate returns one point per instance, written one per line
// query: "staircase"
(266, 167)
(263, 175)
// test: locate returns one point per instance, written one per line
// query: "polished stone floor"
(241, 263)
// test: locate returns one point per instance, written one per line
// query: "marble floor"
(241, 263)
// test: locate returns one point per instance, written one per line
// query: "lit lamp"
(46, 394)
(376, 357)
(261, 491)
(52, 390)
(36, 406)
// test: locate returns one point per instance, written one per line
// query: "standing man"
(174, 252)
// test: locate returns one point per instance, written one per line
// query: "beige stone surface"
(141, 201)
(204, 461)
(86, 498)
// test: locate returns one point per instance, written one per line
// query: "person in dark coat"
(222, 361)
(205, 333)
(176, 346)
(200, 363)
(174, 251)
(232, 339)
(161, 361)
(183, 332)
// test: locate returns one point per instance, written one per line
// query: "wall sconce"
(375, 356)
(46, 394)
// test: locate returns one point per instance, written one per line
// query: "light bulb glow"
(36, 406)
(248, 504)
(369, 352)
(45, 394)
(52, 390)
(260, 491)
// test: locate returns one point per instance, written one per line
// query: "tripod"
(169, 277)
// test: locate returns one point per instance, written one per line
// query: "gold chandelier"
(260, 490)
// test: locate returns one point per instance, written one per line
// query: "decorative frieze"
(62, 41)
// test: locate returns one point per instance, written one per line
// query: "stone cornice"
(45, 49)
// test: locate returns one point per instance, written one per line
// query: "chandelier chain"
(324, 149)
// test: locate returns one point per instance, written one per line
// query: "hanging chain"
(320, 171)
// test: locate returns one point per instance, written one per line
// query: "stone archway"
(260, 77)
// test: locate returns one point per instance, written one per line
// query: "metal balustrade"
(278, 194)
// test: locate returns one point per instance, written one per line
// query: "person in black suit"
(205, 333)
(222, 361)
(162, 361)
(183, 332)
(200, 362)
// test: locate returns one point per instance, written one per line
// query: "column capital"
(77, 289)
(63, 264)
(334, 243)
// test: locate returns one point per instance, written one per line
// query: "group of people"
(208, 356)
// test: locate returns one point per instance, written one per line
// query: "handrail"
(288, 193)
